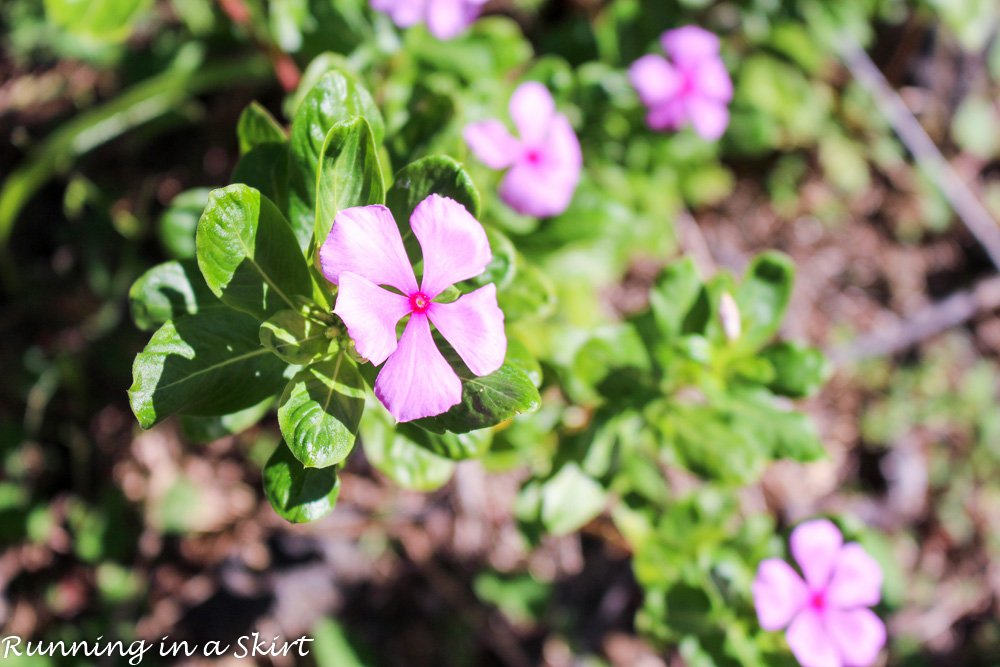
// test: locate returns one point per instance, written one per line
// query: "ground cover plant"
(462, 332)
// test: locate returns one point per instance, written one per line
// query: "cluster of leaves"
(243, 316)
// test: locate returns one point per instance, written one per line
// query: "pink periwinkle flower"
(692, 86)
(445, 19)
(829, 623)
(544, 163)
(364, 251)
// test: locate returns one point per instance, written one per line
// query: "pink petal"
(473, 324)
(778, 593)
(529, 191)
(542, 184)
(404, 13)
(810, 643)
(365, 240)
(454, 244)
(711, 79)
(667, 117)
(654, 79)
(447, 19)
(492, 143)
(689, 45)
(370, 314)
(859, 635)
(857, 579)
(708, 117)
(416, 381)
(816, 546)
(532, 108)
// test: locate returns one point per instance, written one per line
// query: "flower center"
(533, 156)
(419, 302)
(817, 600)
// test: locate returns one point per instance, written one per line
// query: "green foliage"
(103, 20)
(299, 494)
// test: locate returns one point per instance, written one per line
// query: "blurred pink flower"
(693, 86)
(445, 19)
(544, 163)
(829, 624)
(364, 250)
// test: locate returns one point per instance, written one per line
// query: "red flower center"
(817, 600)
(533, 156)
(419, 302)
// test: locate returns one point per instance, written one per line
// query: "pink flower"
(829, 624)
(694, 87)
(364, 250)
(446, 19)
(544, 163)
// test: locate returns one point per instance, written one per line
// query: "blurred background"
(114, 122)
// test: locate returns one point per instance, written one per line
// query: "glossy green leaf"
(265, 168)
(398, 457)
(349, 173)
(200, 430)
(518, 355)
(486, 401)
(415, 182)
(104, 20)
(296, 337)
(337, 97)
(452, 446)
(257, 126)
(207, 364)
(248, 254)
(180, 221)
(168, 291)
(763, 297)
(296, 493)
(320, 411)
(799, 370)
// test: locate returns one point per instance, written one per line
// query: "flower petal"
(453, 243)
(492, 143)
(667, 117)
(815, 546)
(778, 593)
(810, 643)
(416, 381)
(689, 45)
(711, 79)
(365, 240)
(370, 314)
(473, 324)
(531, 109)
(404, 13)
(708, 117)
(654, 79)
(857, 579)
(858, 634)
(529, 191)
(447, 19)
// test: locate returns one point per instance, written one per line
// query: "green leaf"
(320, 411)
(421, 179)
(265, 168)
(529, 294)
(763, 297)
(337, 97)
(179, 222)
(349, 173)
(398, 457)
(570, 499)
(501, 269)
(104, 20)
(257, 126)
(799, 370)
(200, 430)
(674, 294)
(168, 291)
(296, 336)
(248, 254)
(296, 493)
(207, 365)
(519, 356)
(452, 446)
(486, 401)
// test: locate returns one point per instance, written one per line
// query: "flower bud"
(729, 316)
